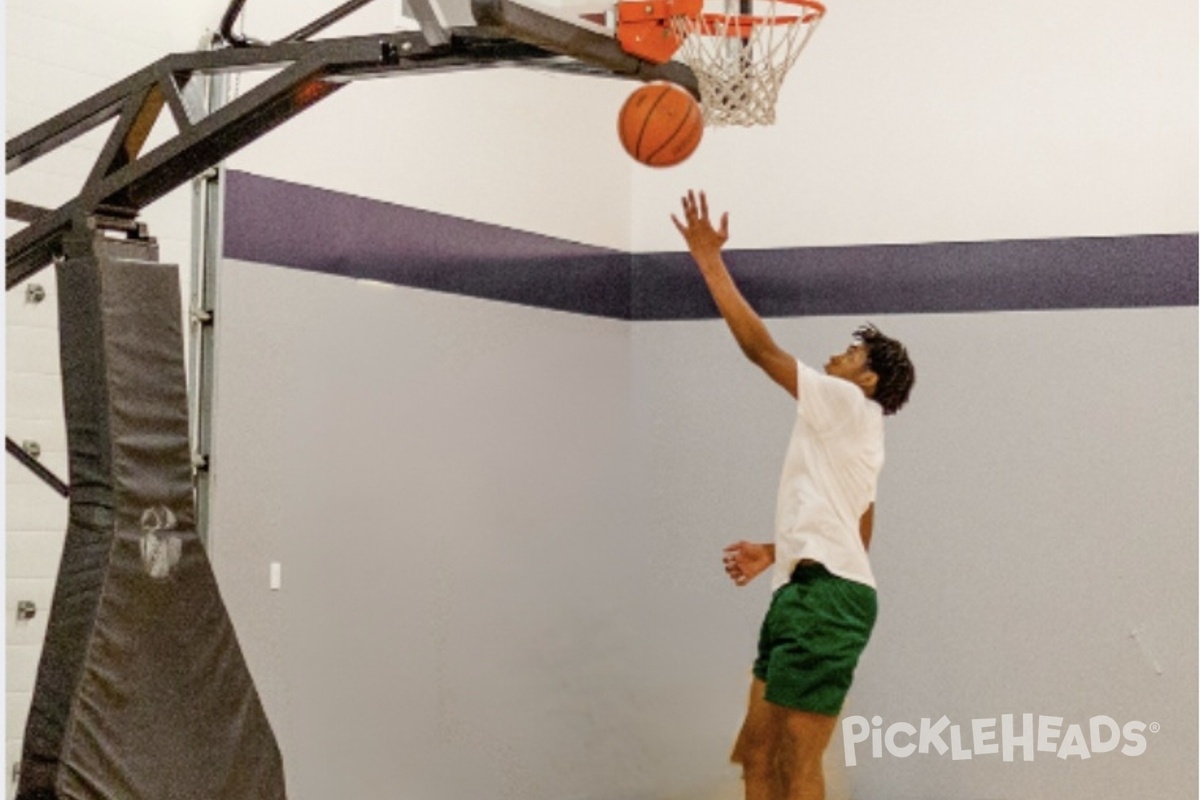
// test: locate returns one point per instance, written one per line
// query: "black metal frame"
(33, 465)
(123, 180)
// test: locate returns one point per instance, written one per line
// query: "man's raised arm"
(705, 243)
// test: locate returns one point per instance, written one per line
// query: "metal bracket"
(26, 610)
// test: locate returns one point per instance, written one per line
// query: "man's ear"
(867, 381)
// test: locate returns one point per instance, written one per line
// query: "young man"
(824, 604)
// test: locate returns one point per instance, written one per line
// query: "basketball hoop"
(740, 59)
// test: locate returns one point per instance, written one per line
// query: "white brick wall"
(35, 516)
(57, 53)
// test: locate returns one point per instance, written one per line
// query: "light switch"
(276, 576)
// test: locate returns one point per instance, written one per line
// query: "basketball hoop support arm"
(124, 180)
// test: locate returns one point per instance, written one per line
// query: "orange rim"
(741, 25)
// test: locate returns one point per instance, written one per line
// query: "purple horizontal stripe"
(275, 222)
(1118, 272)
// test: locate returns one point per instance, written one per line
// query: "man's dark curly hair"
(889, 360)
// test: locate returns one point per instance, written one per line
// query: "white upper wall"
(950, 121)
(938, 122)
(942, 121)
(508, 146)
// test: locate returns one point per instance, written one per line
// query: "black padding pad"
(142, 692)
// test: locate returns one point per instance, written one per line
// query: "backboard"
(584, 32)
(732, 55)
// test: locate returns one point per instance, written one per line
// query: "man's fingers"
(689, 214)
(735, 561)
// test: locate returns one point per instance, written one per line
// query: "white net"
(741, 59)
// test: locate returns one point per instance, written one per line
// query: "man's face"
(852, 364)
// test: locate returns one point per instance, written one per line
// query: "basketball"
(660, 124)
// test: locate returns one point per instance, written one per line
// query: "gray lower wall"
(441, 479)
(500, 530)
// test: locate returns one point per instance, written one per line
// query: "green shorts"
(813, 634)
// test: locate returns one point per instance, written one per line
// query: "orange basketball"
(660, 124)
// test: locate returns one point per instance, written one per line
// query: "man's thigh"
(763, 727)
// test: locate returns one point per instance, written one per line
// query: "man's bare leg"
(806, 735)
(758, 749)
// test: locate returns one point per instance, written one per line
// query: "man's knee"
(808, 736)
(756, 752)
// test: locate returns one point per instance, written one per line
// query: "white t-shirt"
(829, 478)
